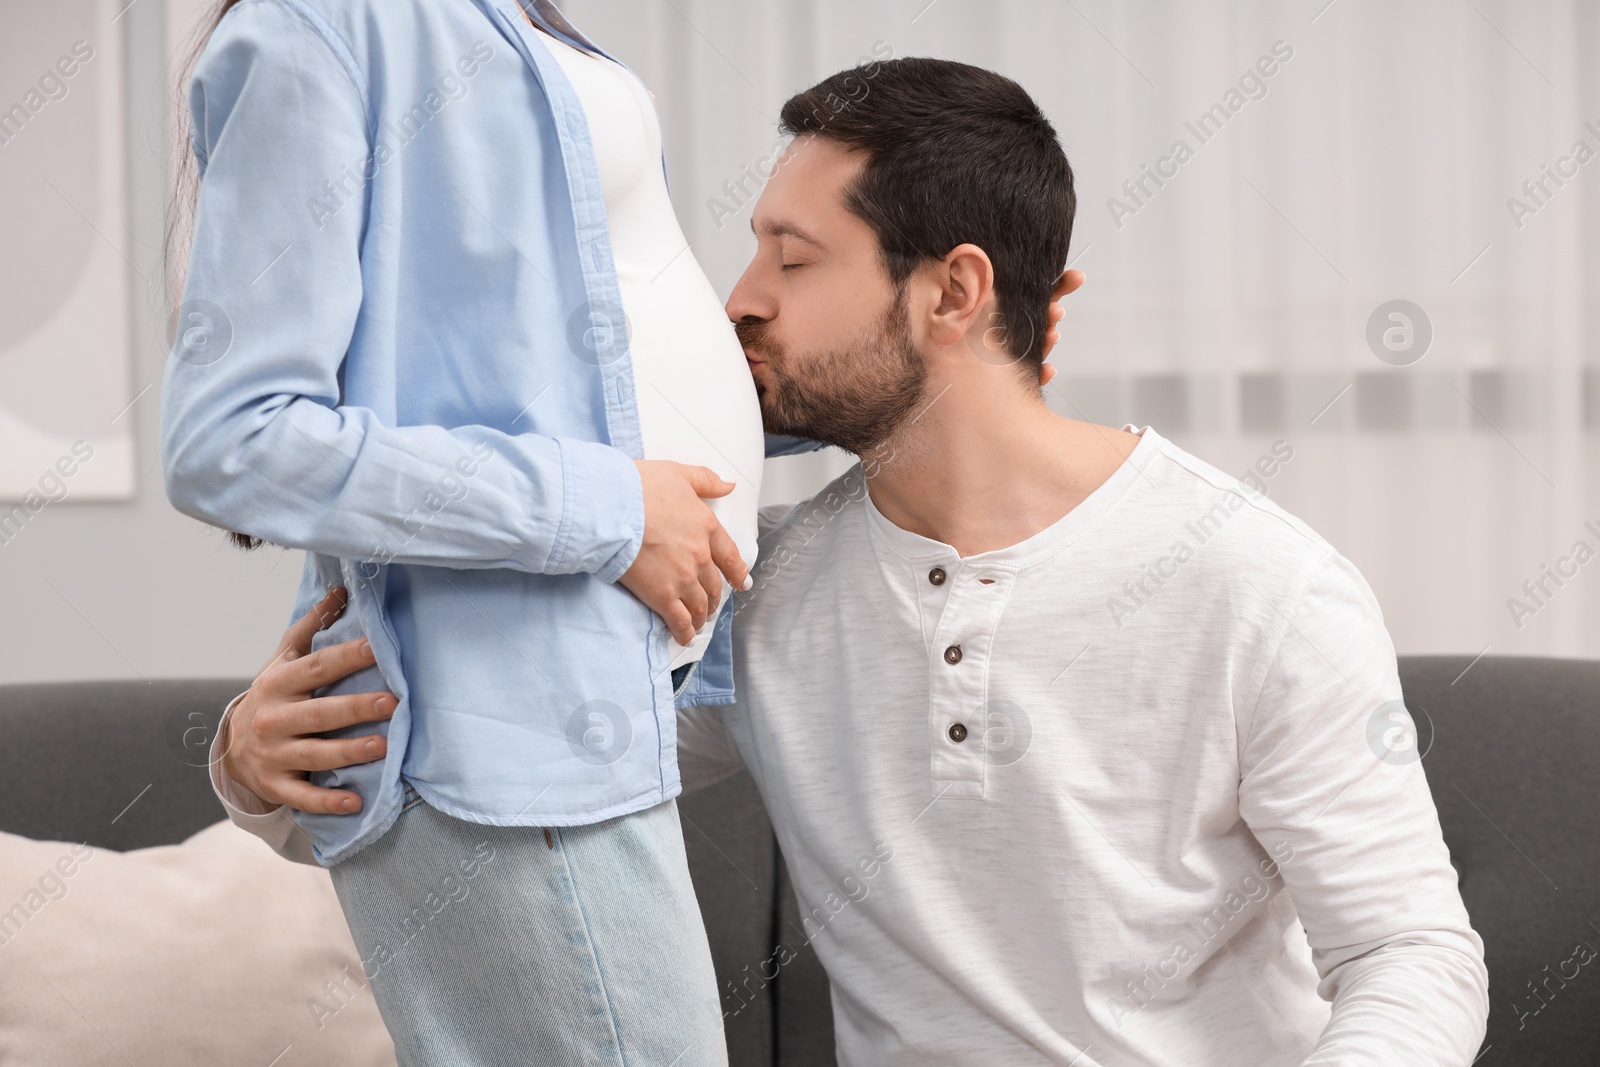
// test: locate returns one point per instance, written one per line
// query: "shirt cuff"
(602, 519)
(244, 807)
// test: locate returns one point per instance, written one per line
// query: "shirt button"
(936, 576)
(958, 733)
(952, 655)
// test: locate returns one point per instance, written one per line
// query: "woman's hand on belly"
(686, 552)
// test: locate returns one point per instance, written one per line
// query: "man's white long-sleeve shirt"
(1135, 791)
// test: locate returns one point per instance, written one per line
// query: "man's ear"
(966, 293)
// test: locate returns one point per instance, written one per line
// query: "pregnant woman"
(441, 329)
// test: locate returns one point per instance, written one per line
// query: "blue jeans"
(498, 945)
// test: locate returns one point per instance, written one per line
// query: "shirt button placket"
(952, 683)
(960, 677)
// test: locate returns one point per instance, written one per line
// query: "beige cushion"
(214, 951)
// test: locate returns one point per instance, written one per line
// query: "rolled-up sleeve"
(255, 437)
(1330, 770)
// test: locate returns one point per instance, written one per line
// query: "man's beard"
(855, 397)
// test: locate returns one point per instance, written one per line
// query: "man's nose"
(748, 302)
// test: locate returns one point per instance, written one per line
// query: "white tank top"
(697, 402)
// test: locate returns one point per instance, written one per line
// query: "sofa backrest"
(119, 765)
(1512, 752)
(1513, 760)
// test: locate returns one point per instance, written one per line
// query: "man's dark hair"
(956, 154)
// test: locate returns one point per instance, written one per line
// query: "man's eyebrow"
(780, 228)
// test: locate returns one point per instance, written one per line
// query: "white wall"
(129, 590)
(1228, 307)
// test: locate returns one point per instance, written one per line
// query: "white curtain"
(1383, 159)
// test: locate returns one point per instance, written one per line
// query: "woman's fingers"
(697, 603)
(706, 483)
(678, 621)
(1052, 332)
(711, 582)
(1068, 283)
(725, 554)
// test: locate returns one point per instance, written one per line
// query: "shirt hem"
(343, 852)
(637, 803)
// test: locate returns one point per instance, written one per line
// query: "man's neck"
(987, 465)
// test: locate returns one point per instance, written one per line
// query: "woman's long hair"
(186, 175)
(186, 179)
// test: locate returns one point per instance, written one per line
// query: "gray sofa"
(1513, 758)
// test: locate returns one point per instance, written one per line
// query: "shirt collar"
(1061, 534)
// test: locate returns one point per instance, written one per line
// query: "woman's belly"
(697, 402)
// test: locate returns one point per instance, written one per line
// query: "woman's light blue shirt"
(400, 348)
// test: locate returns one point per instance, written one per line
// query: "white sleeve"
(1327, 769)
(249, 812)
(706, 754)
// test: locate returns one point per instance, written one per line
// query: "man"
(1091, 717)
